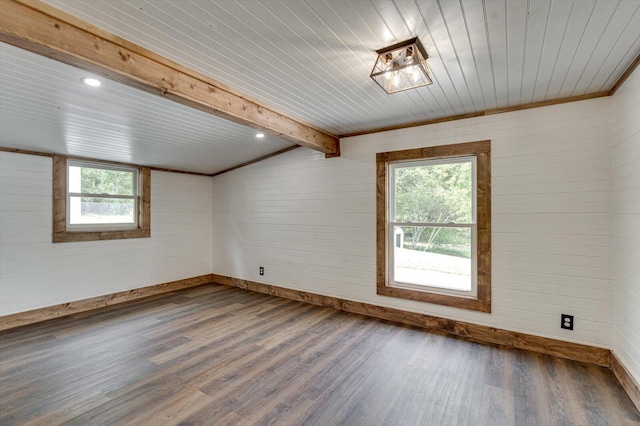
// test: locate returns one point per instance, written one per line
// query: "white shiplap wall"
(311, 222)
(626, 223)
(36, 273)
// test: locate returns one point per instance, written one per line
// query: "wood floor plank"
(220, 355)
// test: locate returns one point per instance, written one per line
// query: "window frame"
(63, 232)
(385, 163)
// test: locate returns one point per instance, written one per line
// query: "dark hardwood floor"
(222, 355)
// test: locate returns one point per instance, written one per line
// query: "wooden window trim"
(482, 151)
(60, 232)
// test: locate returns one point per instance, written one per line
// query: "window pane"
(433, 256)
(437, 193)
(101, 181)
(101, 210)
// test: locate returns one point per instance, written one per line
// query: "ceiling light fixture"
(402, 66)
(93, 82)
(259, 135)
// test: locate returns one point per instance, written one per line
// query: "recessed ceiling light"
(259, 135)
(93, 82)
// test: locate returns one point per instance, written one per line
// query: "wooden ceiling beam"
(42, 29)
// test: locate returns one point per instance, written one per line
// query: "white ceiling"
(311, 60)
(44, 106)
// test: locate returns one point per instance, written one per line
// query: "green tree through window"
(440, 193)
(106, 181)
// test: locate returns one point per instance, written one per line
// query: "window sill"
(70, 236)
(437, 298)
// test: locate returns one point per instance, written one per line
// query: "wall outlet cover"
(566, 322)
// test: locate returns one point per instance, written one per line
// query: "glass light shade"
(401, 66)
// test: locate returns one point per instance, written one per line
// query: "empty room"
(320, 212)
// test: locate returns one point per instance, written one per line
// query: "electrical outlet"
(566, 322)
(262, 270)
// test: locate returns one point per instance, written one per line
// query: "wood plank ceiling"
(311, 60)
(44, 106)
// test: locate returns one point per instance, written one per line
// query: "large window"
(97, 201)
(434, 225)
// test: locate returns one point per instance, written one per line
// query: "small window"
(97, 201)
(434, 225)
(101, 197)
